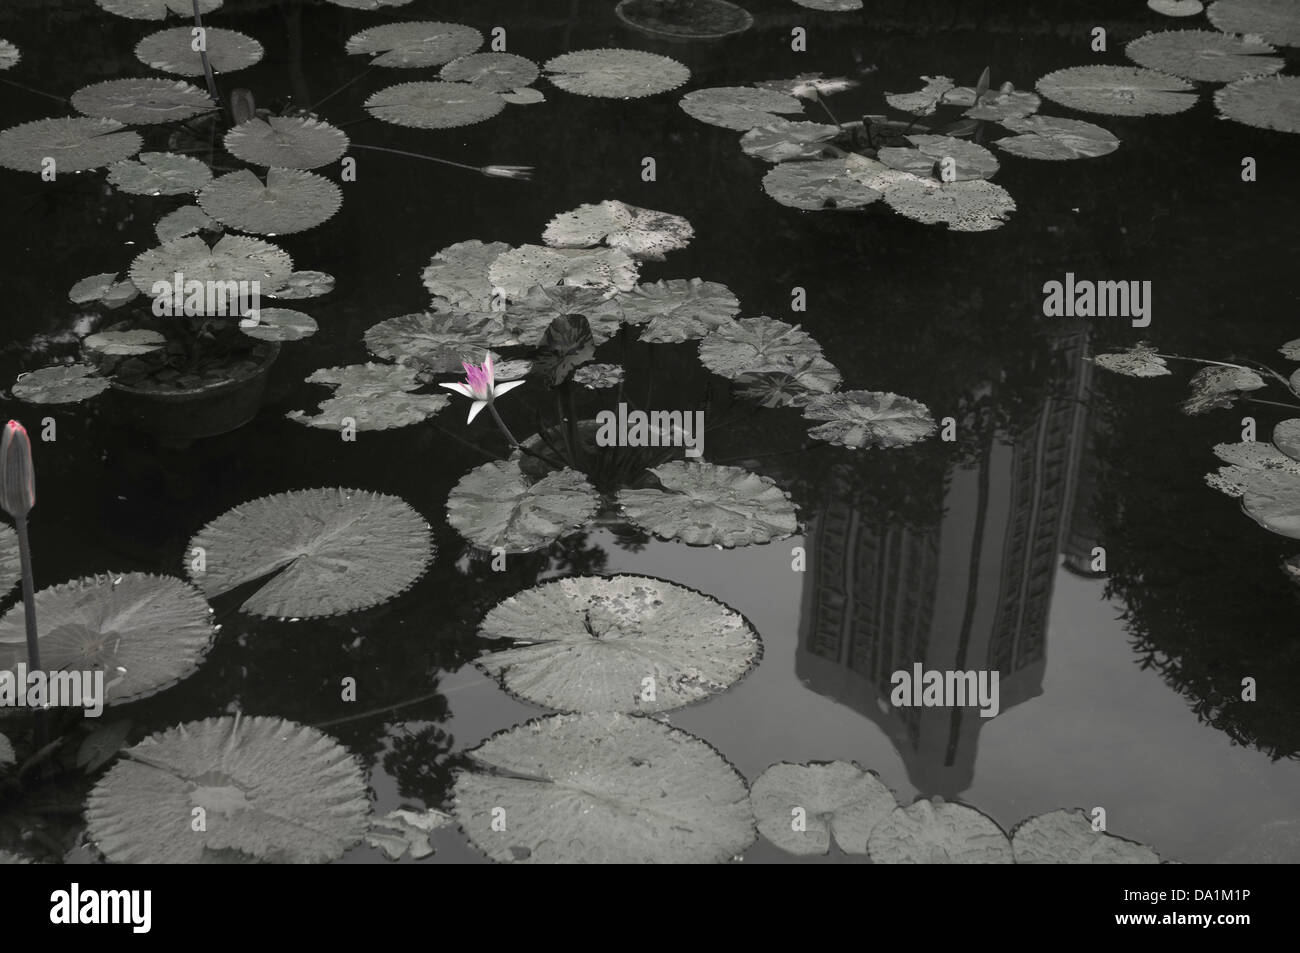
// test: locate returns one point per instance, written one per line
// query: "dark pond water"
(1118, 690)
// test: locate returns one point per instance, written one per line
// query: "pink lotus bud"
(17, 475)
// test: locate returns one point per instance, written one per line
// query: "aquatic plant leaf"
(62, 384)
(287, 142)
(607, 270)
(331, 551)
(281, 324)
(1290, 350)
(496, 505)
(171, 51)
(290, 201)
(272, 790)
(1047, 137)
(9, 55)
(384, 411)
(1267, 102)
(412, 45)
(935, 832)
(595, 377)
(831, 6)
(438, 341)
(303, 284)
(837, 798)
(232, 258)
(566, 344)
(523, 97)
(122, 343)
(159, 173)
(1286, 437)
(368, 4)
(776, 388)
(676, 310)
(809, 85)
(861, 418)
(603, 788)
(1204, 55)
(1141, 360)
(782, 140)
(1245, 459)
(1067, 837)
(759, 344)
(7, 756)
(818, 184)
(495, 72)
(102, 744)
(75, 144)
(1215, 387)
(434, 105)
(1272, 499)
(970, 161)
(459, 274)
(10, 561)
(529, 318)
(924, 101)
(144, 632)
(615, 73)
(588, 644)
(142, 101)
(367, 380)
(998, 105)
(642, 233)
(1176, 8)
(156, 9)
(103, 289)
(1274, 20)
(707, 504)
(1118, 90)
(186, 220)
(973, 206)
(739, 107)
(400, 832)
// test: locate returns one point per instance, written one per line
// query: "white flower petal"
(461, 389)
(474, 410)
(506, 386)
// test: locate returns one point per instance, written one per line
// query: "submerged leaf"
(1215, 387)
(1267, 102)
(159, 173)
(1118, 90)
(62, 384)
(287, 142)
(496, 506)
(935, 832)
(566, 344)
(399, 832)
(434, 105)
(677, 310)
(75, 144)
(142, 101)
(998, 105)
(616, 73)
(837, 798)
(707, 504)
(598, 376)
(739, 107)
(102, 744)
(1203, 55)
(289, 201)
(860, 418)
(412, 45)
(495, 72)
(642, 233)
(172, 51)
(1068, 837)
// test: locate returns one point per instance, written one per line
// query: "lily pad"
(677, 310)
(368, 4)
(438, 342)
(1118, 90)
(1204, 55)
(434, 105)
(831, 6)
(367, 380)
(290, 201)
(1274, 20)
(1047, 137)
(739, 107)
(63, 384)
(778, 388)
(75, 144)
(9, 55)
(102, 745)
(607, 270)
(495, 505)
(529, 318)
(1176, 8)
(232, 258)
(602, 788)
(998, 105)
(970, 161)
(303, 284)
(974, 206)
(698, 20)
(156, 9)
(186, 220)
(172, 51)
(598, 376)
(386, 411)
(159, 173)
(144, 632)
(1272, 499)
(400, 832)
(642, 233)
(280, 324)
(615, 73)
(1286, 437)
(818, 184)
(1267, 102)
(287, 142)
(459, 274)
(142, 101)
(325, 551)
(935, 832)
(707, 504)
(836, 798)
(1067, 837)
(1244, 460)
(495, 72)
(1217, 387)
(590, 643)
(7, 756)
(523, 97)
(924, 101)
(782, 140)
(271, 790)
(414, 45)
(123, 343)
(764, 344)
(859, 418)
(1140, 360)
(103, 289)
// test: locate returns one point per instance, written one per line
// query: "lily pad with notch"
(159, 173)
(1266, 102)
(519, 270)
(1204, 55)
(434, 105)
(615, 73)
(739, 107)
(932, 831)
(182, 222)
(172, 51)
(415, 44)
(969, 160)
(495, 72)
(1274, 20)
(289, 201)
(233, 258)
(142, 101)
(1118, 90)
(61, 384)
(1048, 137)
(438, 342)
(762, 344)
(75, 144)
(459, 274)
(782, 140)
(156, 9)
(642, 233)
(1067, 837)
(861, 418)
(103, 289)
(678, 310)
(836, 798)
(496, 505)
(819, 184)
(287, 142)
(531, 318)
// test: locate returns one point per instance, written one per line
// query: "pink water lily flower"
(481, 386)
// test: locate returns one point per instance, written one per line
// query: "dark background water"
(1117, 691)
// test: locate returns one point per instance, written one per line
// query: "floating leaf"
(836, 798)
(859, 418)
(926, 100)
(368, 4)
(1176, 8)
(459, 274)
(159, 173)
(589, 643)
(438, 342)
(1141, 360)
(607, 270)
(74, 144)
(186, 220)
(280, 324)
(172, 51)
(142, 101)
(9, 55)
(523, 97)
(1047, 137)
(810, 85)
(289, 201)
(64, 384)
(1215, 387)
(615, 74)
(1268, 102)
(935, 832)
(970, 161)
(676, 310)
(232, 258)
(7, 756)
(1274, 20)
(706, 504)
(370, 397)
(602, 788)
(304, 284)
(495, 506)
(778, 388)
(122, 343)
(530, 317)
(143, 632)
(495, 72)
(642, 233)
(416, 44)
(782, 140)
(400, 832)
(1203, 55)
(102, 744)
(287, 142)
(271, 790)
(831, 6)
(367, 380)
(1118, 90)
(1272, 499)
(820, 184)
(434, 105)
(598, 376)
(1245, 459)
(1068, 837)
(764, 344)
(739, 107)
(103, 289)
(1286, 436)
(156, 9)
(331, 551)
(974, 206)
(10, 561)
(700, 20)
(998, 105)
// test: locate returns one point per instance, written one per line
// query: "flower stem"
(822, 102)
(515, 444)
(29, 615)
(203, 54)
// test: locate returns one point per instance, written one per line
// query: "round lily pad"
(271, 790)
(103, 289)
(63, 384)
(973, 206)
(172, 51)
(616, 73)
(323, 552)
(969, 160)
(159, 173)
(677, 310)
(831, 6)
(9, 55)
(459, 274)
(144, 632)
(608, 270)
(156, 9)
(495, 72)
(1217, 387)
(861, 418)
(1118, 90)
(1286, 436)
(782, 140)
(818, 184)
(289, 201)
(181, 222)
(1067, 837)
(75, 144)
(523, 97)
(440, 341)
(800, 806)
(142, 101)
(1274, 20)
(1203, 55)
(434, 105)
(382, 411)
(1047, 137)
(416, 44)
(303, 284)
(232, 258)
(1245, 459)
(495, 505)
(642, 233)
(924, 101)
(1272, 499)
(368, 4)
(1176, 8)
(602, 788)
(280, 324)
(590, 644)
(999, 105)
(1268, 102)
(739, 107)
(763, 344)
(936, 832)
(287, 142)
(124, 343)
(699, 20)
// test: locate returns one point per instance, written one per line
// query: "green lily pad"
(818, 184)
(782, 140)
(495, 506)
(1267, 102)
(434, 105)
(836, 798)
(62, 384)
(289, 201)
(280, 324)
(102, 744)
(171, 51)
(615, 73)
(607, 270)
(677, 310)
(10, 55)
(642, 233)
(739, 107)
(181, 222)
(761, 344)
(367, 380)
(970, 161)
(1118, 90)
(495, 72)
(861, 418)
(973, 206)
(438, 342)
(386, 411)
(526, 96)
(1047, 137)
(413, 45)
(287, 142)
(1286, 436)
(997, 105)
(232, 258)
(1067, 837)
(1204, 55)
(459, 274)
(142, 101)
(1176, 8)
(598, 376)
(159, 173)
(303, 284)
(1274, 20)
(530, 317)
(75, 144)
(936, 832)
(103, 289)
